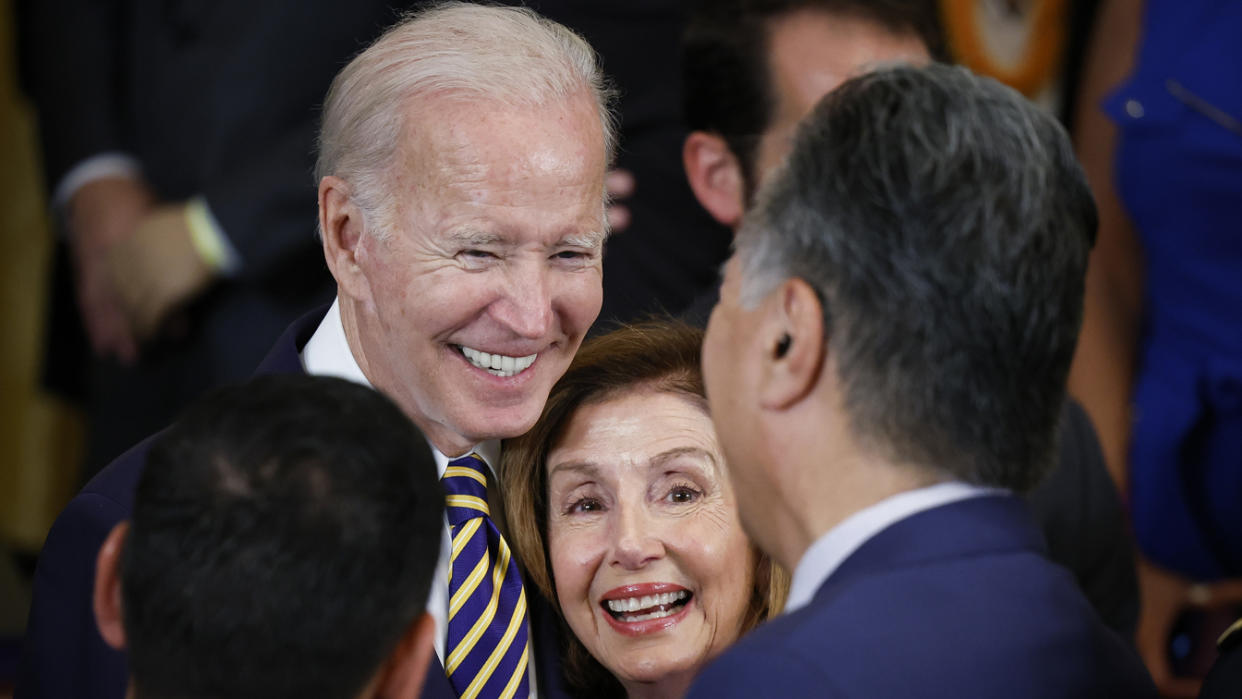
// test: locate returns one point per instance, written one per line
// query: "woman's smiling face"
(653, 571)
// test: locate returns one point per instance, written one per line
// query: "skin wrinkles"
(482, 257)
(637, 493)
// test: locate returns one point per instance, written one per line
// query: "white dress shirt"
(327, 353)
(829, 551)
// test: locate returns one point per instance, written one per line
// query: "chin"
(657, 669)
(501, 423)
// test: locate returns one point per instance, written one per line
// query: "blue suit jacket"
(956, 601)
(63, 655)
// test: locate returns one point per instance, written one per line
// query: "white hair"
(507, 55)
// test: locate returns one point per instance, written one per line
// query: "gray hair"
(945, 224)
(506, 55)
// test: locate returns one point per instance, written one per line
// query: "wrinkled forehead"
(436, 127)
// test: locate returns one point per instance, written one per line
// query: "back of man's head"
(945, 225)
(728, 84)
(283, 539)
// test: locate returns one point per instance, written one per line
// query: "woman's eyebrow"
(585, 468)
(662, 459)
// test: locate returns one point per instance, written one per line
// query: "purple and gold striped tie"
(488, 639)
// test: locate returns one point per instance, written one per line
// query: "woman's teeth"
(498, 364)
(649, 606)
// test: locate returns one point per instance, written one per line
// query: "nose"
(526, 308)
(636, 540)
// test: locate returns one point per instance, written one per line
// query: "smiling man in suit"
(461, 204)
(886, 368)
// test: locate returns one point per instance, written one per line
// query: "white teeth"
(498, 364)
(633, 604)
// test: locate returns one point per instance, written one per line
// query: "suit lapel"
(285, 357)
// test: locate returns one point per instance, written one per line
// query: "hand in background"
(1165, 595)
(619, 184)
(157, 269)
(100, 214)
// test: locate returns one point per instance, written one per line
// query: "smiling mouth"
(647, 607)
(496, 364)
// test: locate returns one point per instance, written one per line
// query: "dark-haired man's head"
(754, 68)
(283, 539)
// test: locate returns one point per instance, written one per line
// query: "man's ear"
(404, 671)
(715, 175)
(794, 330)
(343, 227)
(107, 597)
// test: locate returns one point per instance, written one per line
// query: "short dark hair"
(945, 224)
(284, 536)
(727, 81)
(663, 354)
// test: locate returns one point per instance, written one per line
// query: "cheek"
(575, 556)
(579, 298)
(719, 551)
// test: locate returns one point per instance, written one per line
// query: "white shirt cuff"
(96, 167)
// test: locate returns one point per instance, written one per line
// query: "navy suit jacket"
(956, 601)
(63, 655)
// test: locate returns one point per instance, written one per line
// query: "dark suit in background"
(963, 580)
(217, 98)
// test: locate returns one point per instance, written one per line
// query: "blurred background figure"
(1033, 46)
(177, 144)
(1159, 366)
(39, 434)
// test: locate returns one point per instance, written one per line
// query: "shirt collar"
(830, 550)
(327, 353)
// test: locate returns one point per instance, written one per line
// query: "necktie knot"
(465, 488)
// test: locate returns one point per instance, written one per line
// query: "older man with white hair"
(461, 205)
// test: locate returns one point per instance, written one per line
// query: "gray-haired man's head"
(944, 224)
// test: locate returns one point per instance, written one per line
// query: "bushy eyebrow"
(473, 237)
(470, 237)
(594, 239)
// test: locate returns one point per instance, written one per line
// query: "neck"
(829, 476)
(858, 485)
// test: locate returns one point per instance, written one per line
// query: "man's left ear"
(107, 597)
(794, 330)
